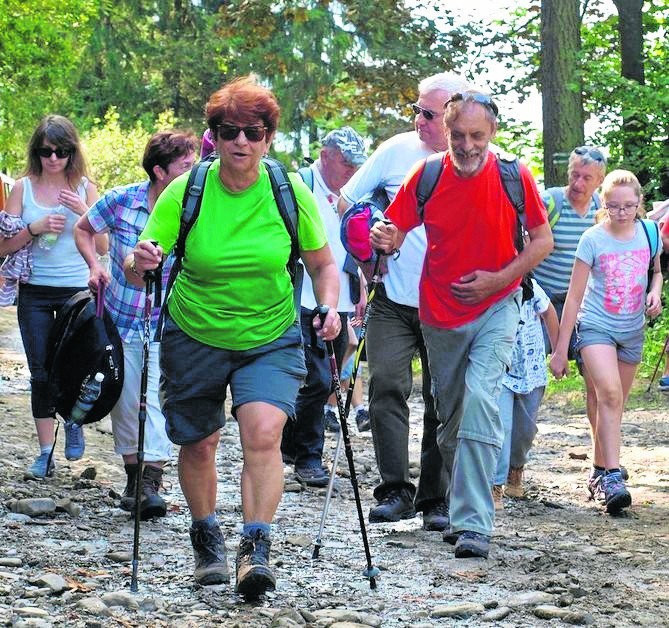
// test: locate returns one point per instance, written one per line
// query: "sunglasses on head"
(427, 113)
(481, 99)
(594, 153)
(46, 152)
(230, 132)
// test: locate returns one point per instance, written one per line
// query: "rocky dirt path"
(555, 557)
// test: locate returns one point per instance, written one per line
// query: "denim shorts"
(628, 344)
(194, 378)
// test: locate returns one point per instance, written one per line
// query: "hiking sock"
(46, 449)
(358, 408)
(597, 470)
(610, 471)
(251, 527)
(327, 407)
(209, 521)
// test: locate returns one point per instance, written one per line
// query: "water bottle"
(90, 391)
(48, 239)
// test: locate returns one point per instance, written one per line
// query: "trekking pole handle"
(321, 311)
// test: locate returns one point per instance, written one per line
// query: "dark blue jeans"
(36, 310)
(303, 438)
(393, 338)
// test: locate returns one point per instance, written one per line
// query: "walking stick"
(657, 366)
(371, 572)
(150, 277)
(376, 278)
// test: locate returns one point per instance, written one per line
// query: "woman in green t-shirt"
(231, 321)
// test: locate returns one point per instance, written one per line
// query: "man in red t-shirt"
(469, 302)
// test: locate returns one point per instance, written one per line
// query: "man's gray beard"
(468, 167)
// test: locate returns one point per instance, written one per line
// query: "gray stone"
(10, 562)
(496, 614)
(461, 611)
(288, 617)
(32, 622)
(120, 557)
(65, 504)
(121, 598)
(301, 540)
(94, 606)
(338, 614)
(530, 598)
(16, 517)
(53, 581)
(34, 507)
(31, 611)
(548, 611)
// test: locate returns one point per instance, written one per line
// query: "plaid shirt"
(124, 213)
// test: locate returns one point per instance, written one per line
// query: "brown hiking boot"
(254, 575)
(211, 564)
(514, 483)
(498, 496)
(152, 504)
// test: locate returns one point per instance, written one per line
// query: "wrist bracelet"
(33, 235)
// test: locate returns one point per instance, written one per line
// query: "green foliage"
(115, 153)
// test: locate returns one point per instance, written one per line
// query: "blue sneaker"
(74, 440)
(663, 384)
(616, 495)
(38, 468)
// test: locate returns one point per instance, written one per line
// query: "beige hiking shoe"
(514, 483)
(498, 496)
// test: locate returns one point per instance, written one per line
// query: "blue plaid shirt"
(124, 212)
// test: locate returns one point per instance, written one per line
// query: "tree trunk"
(636, 134)
(561, 86)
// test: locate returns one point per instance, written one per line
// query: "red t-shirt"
(470, 225)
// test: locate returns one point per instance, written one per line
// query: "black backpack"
(286, 202)
(509, 172)
(84, 341)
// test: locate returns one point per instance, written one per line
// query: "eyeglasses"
(481, 99)
(427, 113)
(230, 132)
(46, 152)
(594, 153)
(628, 208)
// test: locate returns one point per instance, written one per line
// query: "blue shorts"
(194, 378)
(628, 344)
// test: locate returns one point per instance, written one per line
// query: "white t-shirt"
(387, 167)
(327, 205)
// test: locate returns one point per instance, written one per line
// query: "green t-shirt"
(234, 290)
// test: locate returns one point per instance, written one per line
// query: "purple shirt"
(124, 213)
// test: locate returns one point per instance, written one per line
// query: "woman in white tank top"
(48, 200)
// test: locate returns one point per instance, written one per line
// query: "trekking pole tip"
(371, 573)
(317, 551)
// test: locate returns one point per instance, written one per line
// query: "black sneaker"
(211, 565)
(330, 421)
(395, 505)
(362, 420)
(472, 545)
(312, 475)
(435, 517)
(254, 575)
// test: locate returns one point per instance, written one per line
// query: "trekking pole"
(657, 366)
(376, 278)
(371, 572)
(149, 278)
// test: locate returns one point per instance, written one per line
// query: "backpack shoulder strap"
(650, 226)
(598, 201)
(554, 209)
(307, 175)
(509, 173)
(284, 196)
(427, 181)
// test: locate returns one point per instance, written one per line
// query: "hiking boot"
(498, 496)
(514, 483)
(450, 537)
(395, 505)
(312, 475)
(331, 423)
(362, 420)
(472, 545)
(211, 565)
(254, 575)
(38, 469)
(616, 495)
(152, 504)
(127, 502)
(74, 440)
(435, 517)
(663, 384)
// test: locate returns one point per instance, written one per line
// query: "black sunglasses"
(481, 99)
(594, 153)
(230, 132)
(46, 152)
(427, 113)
